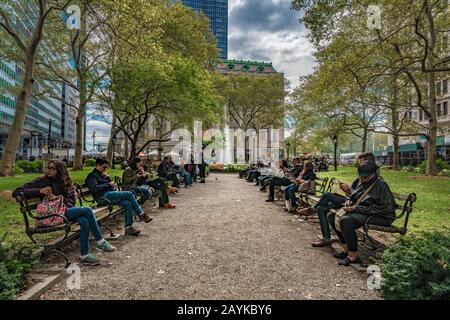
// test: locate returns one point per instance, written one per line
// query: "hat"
(366, 169)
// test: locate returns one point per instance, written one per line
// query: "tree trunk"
(126, 153)
(12, 143)
(394, 118)
(433, 126)
(114, 131)
(364, 141)
(396, 155)
(78, 160)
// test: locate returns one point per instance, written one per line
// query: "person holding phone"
(101, 187)
(335, 201)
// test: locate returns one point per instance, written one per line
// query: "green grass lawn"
(11, 220)
(432, 208)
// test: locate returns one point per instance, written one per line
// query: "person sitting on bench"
(164, 172)
(264, 181)
(254, 174)
(102, 187)
(158, 184)
(191, 168)
(244, 173)
(330, 201)
(304, 182)
(56, 182)
(134, 174)
(284, 181)
(179, 170)
(376, 202)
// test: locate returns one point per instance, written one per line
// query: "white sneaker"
(288, 205)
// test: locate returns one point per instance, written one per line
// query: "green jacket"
(129, 178)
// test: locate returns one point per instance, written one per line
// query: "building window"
(439, 110)
(445, 86)
(445, 108)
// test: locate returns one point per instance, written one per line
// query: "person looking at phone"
(102, 188)
(330, 201)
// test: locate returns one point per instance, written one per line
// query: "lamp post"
(335, 141)
(114, 140)
(288, 145)
(49, 135)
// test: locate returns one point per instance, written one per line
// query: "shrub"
(235, 167)
(417, 267)
(15, 260)
(30, 166)
(408, 169)
(18, 170)
(445, 173)
(90, 162)
(440, 164)
(386, 168)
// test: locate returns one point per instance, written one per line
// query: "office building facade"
(217, 12)
(54, 110)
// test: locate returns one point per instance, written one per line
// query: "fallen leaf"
(338, 285)
(161, 272)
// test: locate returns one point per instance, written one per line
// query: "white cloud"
(101, 129)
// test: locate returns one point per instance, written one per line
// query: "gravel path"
(221, 242)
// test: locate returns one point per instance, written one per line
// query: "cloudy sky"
(267, 30)
(259, 30)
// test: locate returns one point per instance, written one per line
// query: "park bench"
(63, 234)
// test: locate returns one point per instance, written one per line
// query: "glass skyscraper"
(217, 12)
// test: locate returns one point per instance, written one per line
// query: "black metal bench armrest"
(82, 197)
(66, 221)
(108, 203)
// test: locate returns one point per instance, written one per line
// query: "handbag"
(50, 206)
(342, 213)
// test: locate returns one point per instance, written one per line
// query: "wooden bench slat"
(400, 196)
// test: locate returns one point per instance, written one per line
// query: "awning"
(406, 147)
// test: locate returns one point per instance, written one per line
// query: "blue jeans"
(327, 202)
(126, 200)
(289, 194)
(87, 221)
(187, 178)
(144, 192)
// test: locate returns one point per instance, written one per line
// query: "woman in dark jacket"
(56, 182)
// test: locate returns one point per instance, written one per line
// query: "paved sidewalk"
(221, 242)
